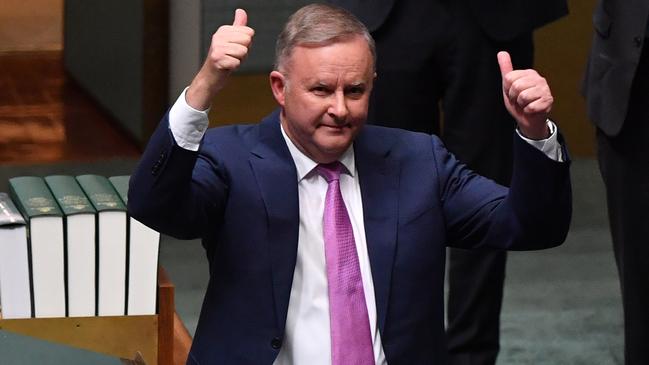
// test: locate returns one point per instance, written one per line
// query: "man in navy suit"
(255, 196)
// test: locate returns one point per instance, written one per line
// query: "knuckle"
(219, 30)
(530, 109)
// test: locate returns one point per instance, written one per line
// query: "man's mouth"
(335, 126)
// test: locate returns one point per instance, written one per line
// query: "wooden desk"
(160, 339)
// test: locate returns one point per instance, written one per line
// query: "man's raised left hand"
(527, 97)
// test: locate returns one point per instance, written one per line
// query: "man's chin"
(331, 152)
(338, 142)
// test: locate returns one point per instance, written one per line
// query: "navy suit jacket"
(239, 194)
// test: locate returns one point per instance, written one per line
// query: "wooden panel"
(166, 314)
(45, 117)
(182, 342)
(246, 99)
(31, 25)
(159, 339)
(122, 336)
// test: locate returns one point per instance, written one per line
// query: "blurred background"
(84, 82)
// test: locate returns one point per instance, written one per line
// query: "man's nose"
(338, 108)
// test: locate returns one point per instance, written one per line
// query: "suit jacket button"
(276, 343)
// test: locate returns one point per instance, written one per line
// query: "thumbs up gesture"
(230, 44)
(229, 47)
(527, 97)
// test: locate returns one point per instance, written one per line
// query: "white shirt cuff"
(187, 124)
(550, 146)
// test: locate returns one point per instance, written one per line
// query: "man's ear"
(278, 86)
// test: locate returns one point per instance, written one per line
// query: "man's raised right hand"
(228, 49)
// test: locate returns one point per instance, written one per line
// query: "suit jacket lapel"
(276, 177)
(379, 181)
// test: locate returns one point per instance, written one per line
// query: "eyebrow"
(327, 84)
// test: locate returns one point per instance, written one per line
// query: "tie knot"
(330, 171)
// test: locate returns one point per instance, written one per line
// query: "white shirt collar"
(304, 165)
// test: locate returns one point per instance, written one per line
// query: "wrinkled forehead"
(353, 49)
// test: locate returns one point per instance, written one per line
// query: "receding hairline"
(289, 59)
(319, 25)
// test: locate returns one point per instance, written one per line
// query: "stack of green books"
(77, 252)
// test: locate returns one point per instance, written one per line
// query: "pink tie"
(351, 342)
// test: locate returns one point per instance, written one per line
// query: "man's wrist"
(187, 124)
(549, 146)
(197, 96)
(538, 134)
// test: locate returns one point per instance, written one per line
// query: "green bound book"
(111, 244)
(15, 296)
(79, 232)
(143, 248)
(45, 232)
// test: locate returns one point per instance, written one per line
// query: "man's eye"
(356, 91)
(319, 90)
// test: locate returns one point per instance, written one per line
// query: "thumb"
(240, 18)
(505, 63)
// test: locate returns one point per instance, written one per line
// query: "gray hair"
(319, 24)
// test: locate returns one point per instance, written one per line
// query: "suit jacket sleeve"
(533, 214)
(174, 190)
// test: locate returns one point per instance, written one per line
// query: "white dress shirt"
(307, 339)
(307, 336)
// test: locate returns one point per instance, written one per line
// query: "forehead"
(350, 56)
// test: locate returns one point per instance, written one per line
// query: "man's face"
(324, 93)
